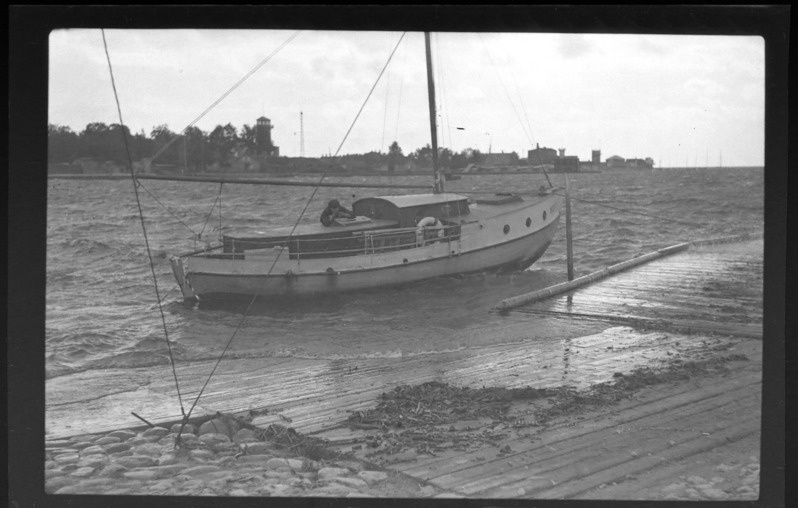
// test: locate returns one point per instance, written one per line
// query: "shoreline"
(380, 462)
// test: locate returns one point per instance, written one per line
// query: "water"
(101, 302)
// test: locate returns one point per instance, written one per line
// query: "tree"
(161, 136)
(394, 155)
(63, 145)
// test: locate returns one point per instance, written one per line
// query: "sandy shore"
(687, 431)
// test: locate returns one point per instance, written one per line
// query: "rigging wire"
(290, 235)
(143, 227)
(528, 135)
(228, 92)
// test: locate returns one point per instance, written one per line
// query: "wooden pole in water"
(568, 237)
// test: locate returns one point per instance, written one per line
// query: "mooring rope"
(143, 227)
(279, 253)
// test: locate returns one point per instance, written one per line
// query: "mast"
(437, 187)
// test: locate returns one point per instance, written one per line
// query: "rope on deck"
(516, 301)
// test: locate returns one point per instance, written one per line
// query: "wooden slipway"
(686, 303)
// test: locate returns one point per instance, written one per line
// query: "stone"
(81, 445)
(107, 440)
(167, 471)
(92, 450)
(84, 437)
(189, 439)
(69, 489)
(69, 467)
(52, 485)
(138, 441)
(332, 472)
(201, 454)
(372, 477)
(714, 494)
(125, 453)
(136, 461)
(215, 426)
(149, 449)
(57, 443)
(50, 464)
(254, 459)
(168, 439)
(141, 475)
(674, 488)
(157, 432)
(276, 462)
(52, 473)
(244, 436)
(427, 491)
(94, 461)
(695, 479)
(116, 447)
(296, 464)
(113, 470)
(167, 459)
(83, 472)
(356, 483)
(214, 438)
(198, 470)
(188, 429)
(67, 458)
(123, 435)
(256, 448)
(62, 451)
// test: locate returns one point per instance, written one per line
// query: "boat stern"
(179, 271)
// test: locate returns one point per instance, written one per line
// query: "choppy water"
(101, 310)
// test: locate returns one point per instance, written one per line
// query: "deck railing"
(360, 243)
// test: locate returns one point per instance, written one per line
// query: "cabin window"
(506, 228)
(529, 221)
(544, 214)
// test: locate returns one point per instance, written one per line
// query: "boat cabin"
(407, 210)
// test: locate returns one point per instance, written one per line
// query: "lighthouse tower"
(263, 138)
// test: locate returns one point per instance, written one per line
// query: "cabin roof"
(412, 200)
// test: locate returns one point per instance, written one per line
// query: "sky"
(682, 100)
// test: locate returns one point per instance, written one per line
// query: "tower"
(596, 156)
(301, 136)
(263, 137)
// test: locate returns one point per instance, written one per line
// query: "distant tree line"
(197, 149)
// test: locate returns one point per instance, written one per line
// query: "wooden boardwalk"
(687, 303)
(711, 289)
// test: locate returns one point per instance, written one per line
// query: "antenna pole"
(301, 136)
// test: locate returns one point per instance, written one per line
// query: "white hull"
(486, 242)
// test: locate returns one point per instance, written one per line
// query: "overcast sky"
(681, 100)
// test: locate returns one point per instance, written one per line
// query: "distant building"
(500, 159)
(263, 139)
(616, 161)
(540, 156)
(596, 157)
(640, 163)
(567, 164)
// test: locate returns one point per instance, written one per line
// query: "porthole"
(506, 228)
(544, 214)
(529, 221)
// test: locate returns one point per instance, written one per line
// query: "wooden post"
(568, 237)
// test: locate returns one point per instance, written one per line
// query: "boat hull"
(489, 247)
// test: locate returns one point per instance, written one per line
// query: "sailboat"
(391, 240)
